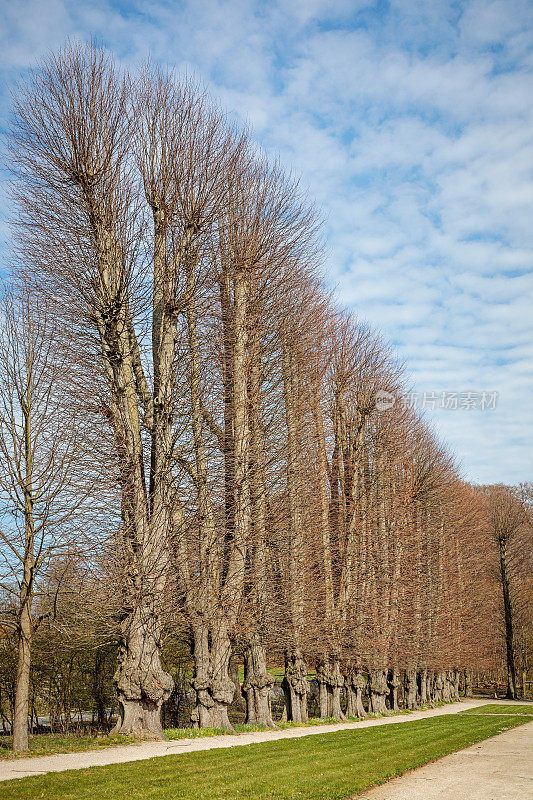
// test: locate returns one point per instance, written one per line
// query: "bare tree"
(507, 517)
(81, 233)
(38, 446)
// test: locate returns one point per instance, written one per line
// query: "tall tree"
(81, 232)
(507, 516)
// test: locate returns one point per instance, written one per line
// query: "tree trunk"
(355, 685)
(336, 682)
(468, 683)
(378, 690)
(446, 687)
(509, 632)
(360, 685)
(438, 687)
(257, 685)
(141, 683)
(423, 687)
(430, 692)
(394, 683)
(295, 686)
(233, 671)
(295, 681)
(211, 682)
(98, 688)
(321, 679)
(22, 685)
(410, 681)
(330, 682)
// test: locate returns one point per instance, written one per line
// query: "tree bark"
(25, 625)
(257, 685)
(438, 687)
(394, 683)
(295, 686)
(423, 687)
(355, 684)
(22, 683)
(509, 628)
(330, 682)
(411, 686)
(212, 684)
(430, 688)
(141, 683)
(378, 690)
(446, 687)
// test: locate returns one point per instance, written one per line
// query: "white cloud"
(412, 129)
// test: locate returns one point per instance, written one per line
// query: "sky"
(410, 123)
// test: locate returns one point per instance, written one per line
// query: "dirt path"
(20, 768)
(500, 768)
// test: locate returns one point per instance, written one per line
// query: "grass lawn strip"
(493, 708)
(48, 744)
(323, 767)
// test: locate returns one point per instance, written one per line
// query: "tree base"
(140, 719)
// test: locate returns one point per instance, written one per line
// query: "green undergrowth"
(330, 766)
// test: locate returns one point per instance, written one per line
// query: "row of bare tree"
(186, 412)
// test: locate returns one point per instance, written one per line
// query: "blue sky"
(410, 123)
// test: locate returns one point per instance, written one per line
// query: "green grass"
(492, 708)
(47, 743)
(322, 767)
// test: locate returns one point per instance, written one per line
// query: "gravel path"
(20, 768)
(500, 768)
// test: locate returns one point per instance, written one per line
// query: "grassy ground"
(192, 733)
(46, 744)
(324, 767)
(497, 709)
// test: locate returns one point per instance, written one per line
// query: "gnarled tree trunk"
(378, 690)
(394, 684)
(257, 684)
(411, 687)
(295, 686)
(355, 683)
(330, 682)
(212, 684)
(141, 683)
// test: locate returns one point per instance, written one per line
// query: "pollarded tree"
(84, 235)
(274, 234)
(344, 380)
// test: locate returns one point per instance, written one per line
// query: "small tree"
(37, 449)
